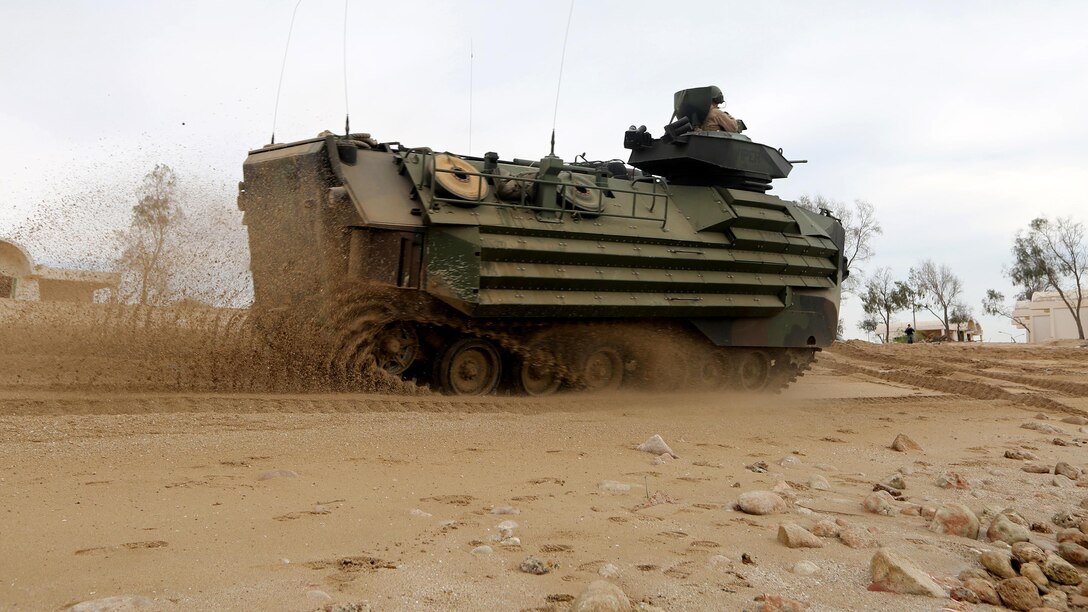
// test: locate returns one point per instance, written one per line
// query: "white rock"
(611, 486)
(819, 483)
(419, 513)
(1043, 427)
(482, 550)
(761, 502)
(805, 568)
(270, 474)
(608, 570)
(789, 461)
(656, 445)
(511, 541)
(316, 595)
(505, 525)
(505, 510)
(601, 596)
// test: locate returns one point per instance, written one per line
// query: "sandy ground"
(116, 490)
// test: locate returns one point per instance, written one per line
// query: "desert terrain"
(171, 470)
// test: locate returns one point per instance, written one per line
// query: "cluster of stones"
(1033, 567)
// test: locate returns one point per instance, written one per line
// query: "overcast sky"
(959, 121)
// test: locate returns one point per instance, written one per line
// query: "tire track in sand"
(846, 363)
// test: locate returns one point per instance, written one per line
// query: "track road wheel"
(753, 371)
(537, 375)
(602, 370)
(396, 348)
(712, 372)
(470, 367)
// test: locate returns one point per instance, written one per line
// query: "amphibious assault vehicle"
(675, 269)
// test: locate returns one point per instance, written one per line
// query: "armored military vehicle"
(674, 270)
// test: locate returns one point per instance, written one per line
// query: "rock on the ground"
(819, 483)
(1059, 570)
(790, 461)
(897, 574)
(759, 467)
(805, 568)
(657, 446)
(1055, 600)
(955, 519)
(761, 502)
(1020, 455)
(1067, 470)
(952, 480)
(270, 474)
(796, 536)
(984, 589)
(608, 570)
(117, 603)
(601, 596)
(1043, 427)
(1075, 420)
(1003, 528)
(532, 565)
(1034, 572)
(1026, 552)
(1074, 535)
(1034, 467)
(778, 603)
(1073, 553)
(1019, 594)
(903, 443)
(997, 563)
(857, 537)
(1068, 519)
(505, 510)
(896, 481)
(962, 593)
(880, 502)
(826, 529)
(482, 550)
(612, 486)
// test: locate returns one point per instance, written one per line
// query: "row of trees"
(928, 286)
(1050, 255)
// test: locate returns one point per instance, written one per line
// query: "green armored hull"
(472, 273)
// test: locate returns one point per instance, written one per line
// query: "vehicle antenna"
(347, 116)
(559, 84)
(471, 56)
(283, 66)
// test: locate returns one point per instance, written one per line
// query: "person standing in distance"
(909, 331)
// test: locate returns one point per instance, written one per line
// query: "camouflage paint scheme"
(746, 268)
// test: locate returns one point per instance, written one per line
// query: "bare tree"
(861, 225)
(1053, 255)
(994, 304)
(939, 287)
(145, 260)
(883, 297)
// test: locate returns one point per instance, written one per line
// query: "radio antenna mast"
(347, 115)
(559, 83)
(283, 66)
(471, 58)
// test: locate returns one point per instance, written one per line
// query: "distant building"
(926, 331)
(1045, 317)
(21, 279)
